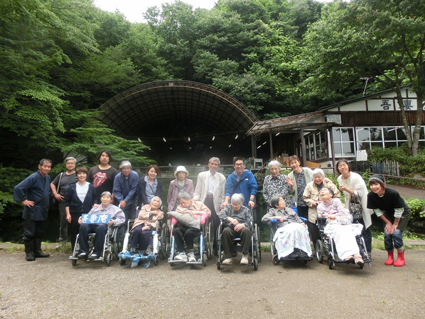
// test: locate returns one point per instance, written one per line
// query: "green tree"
(383, 40)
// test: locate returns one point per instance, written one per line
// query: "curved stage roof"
(175, 110)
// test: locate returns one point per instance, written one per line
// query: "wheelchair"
(255, 248)
(325, 246)
(111, 247)
(202, 244)
(298, 254)
(157, 245)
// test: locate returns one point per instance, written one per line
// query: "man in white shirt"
(210, 189)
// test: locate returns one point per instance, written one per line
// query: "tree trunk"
(403, 117)
(416, 132)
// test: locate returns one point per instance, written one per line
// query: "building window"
(368, 137)
(343, 138)
(316, 146)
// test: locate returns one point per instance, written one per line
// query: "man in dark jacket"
(33, 192)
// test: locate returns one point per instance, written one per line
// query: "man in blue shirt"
(241, 181)
(125, 190)
(33, 192)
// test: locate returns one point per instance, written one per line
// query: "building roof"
(291, 124)
(154, 106)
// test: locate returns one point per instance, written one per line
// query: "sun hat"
(181, 169)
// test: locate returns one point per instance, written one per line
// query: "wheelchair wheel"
(74, 263)
(255, 264)
(257, 232)
(320, 251)
(122, 262)
(109, 259)
(209, 242)
(330, 261)
(204, 259)
(275, 260)
(156, 260)
(164, 242)
(118, 240)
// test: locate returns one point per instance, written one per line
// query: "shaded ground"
(52, 288)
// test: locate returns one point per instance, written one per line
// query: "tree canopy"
(62, 59)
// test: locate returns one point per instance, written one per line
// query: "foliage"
(417, 207)
(9, 177)
(380, 40)
(409, 165)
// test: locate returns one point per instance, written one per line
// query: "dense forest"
(62, 59)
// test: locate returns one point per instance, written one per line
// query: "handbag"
(356, 208)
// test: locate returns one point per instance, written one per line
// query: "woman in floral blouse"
(276, 184)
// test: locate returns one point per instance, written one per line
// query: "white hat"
(181, 169)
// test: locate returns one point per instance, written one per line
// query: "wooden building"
(341, 130)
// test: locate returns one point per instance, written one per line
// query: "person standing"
(178, 185)
(275, 184)
(210, 189)
(33, 192)
(59, 185)
(298, 180)
(241, 181)
(79, 199)
(149, 186)
(125, 190)
(353, 186)
(102, 176)
(312, 198)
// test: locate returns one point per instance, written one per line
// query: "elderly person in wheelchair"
(144, 225)
(117, 219)
(339, 226)
(291, 231)
(237, 220)
(185, 229)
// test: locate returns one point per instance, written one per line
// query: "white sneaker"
(244, 260)
(181, 256)
(191, 257)
(148, 251)
(227, 261)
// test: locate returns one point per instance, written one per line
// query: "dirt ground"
(52, 288)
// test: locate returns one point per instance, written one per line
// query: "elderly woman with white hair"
(178, 185)
(237, 220)
(125, 190)
(276, 184)
(312, 198)
(144, 225)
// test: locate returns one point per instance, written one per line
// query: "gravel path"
(52, 288)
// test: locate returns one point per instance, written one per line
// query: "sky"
(134, 9)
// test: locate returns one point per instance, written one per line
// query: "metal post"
(253, 147)
(332, 150)
(271, 145)
(304, 163)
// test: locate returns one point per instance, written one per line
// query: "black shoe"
(29, 250)
(37, 249)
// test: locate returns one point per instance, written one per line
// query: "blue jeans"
(393, 240)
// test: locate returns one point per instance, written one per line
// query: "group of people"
(316, 196)
(80, 191)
